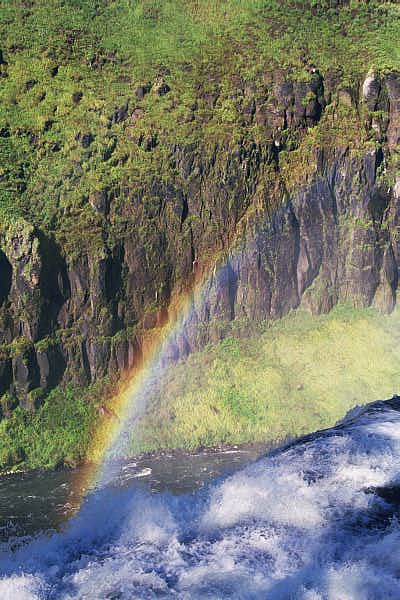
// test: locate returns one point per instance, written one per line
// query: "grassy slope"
(299, 374)
(58, 433)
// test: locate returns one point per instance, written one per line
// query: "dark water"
(43, 500)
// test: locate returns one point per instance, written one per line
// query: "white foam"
(22, 587)
(301, 524)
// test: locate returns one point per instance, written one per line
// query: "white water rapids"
(315, 520)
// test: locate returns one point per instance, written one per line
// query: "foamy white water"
(316, 520)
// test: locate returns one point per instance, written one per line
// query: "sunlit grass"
(300, 374)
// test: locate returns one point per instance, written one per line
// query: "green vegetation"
(288, 378)
(82, 119)
(295, 376)
(70, 66)
(58, 433)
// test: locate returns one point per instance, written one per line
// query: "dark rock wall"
(332, 238)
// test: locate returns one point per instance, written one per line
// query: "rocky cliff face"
(292, 219)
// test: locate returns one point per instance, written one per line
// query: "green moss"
(8, 402)
(46, 343)
(36, 398)
(19, 347)
(122, 336)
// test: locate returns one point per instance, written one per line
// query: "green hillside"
(291, 377)
(70, 67)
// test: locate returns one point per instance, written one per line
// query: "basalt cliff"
(324, 231)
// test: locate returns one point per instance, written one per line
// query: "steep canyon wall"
(292, 219)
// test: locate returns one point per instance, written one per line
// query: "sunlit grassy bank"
(295, 376)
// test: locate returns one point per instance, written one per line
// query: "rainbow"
(130, 399)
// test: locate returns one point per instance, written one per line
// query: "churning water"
(315, 520)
